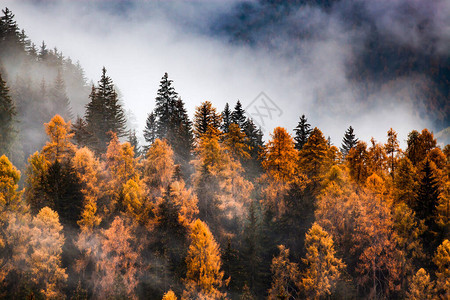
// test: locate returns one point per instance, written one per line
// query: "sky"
(277, 75)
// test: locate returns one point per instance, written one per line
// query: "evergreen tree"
(81, 135)
(150, 131)
(165, 106)
(7, 117)
(302, 132)
(238, 115)
(62, 191)
(9, 32)
(348, 142)
(226, 118)
(104, 113)
(60, 103)
(132, 139)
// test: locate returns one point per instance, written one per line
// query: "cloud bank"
(298, 55)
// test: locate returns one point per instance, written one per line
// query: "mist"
(298, 55)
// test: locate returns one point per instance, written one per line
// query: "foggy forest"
(207, 204)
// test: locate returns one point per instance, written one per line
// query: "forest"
(204, 209)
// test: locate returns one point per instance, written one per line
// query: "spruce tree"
(349, 141)
(9, 31)
(82, 136)
(60, 103)
(132, 139)
(7, 117)
(302, 132)
(226, 118)
(104, 113)
(165, 106)
(238, 115)
(150, 131)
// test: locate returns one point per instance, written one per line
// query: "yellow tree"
(323, 268)
(357, 161)
(442, 261)
(159, 166)
(46, 245)
(186, 200)
(284, 276)
(376, 158)
(135, 201)
(170, 295)
(206, 121)
(36, 170)
(235, 142)
(88, 169)
(203, 276)
(314, 161)
(421, 287)
(60, 146)
(280, 156)
(117, 262)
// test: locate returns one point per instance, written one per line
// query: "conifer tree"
(392, 147)
(323, 268)
(81, 136)
(314, 159)
(7, 117)
(150, 131)
(9, 32)
(238, 115)
(235, 142)
(46, 243)
(284, 276)
(104, 113)
(203, 276)
(132, 139)
(58, 98)
(165, 106)
(357, 160)
(349, 141)
(206, 120)
(226, 118)
(302, 132)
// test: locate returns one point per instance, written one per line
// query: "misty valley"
(205, 204)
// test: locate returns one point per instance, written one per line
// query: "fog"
(138, 41)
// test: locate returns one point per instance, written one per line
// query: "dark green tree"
(255, 142)
(62, 192)
(7, 117)
(349, 141)
(82, 136)
(165, 106)
(302, 132)
(104, 113)
(132, 139)
(150, 130)
(9, 32)
(425, 206)
(226, 118)
(238, 115)
(180, 136)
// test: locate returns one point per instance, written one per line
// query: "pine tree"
(392, 147)
(165, 106)
(226, 118)
(150, 131)
(206, 120)
(81, 136)
(284, 276)
(302, 132)
(235, 142)
(238, 115)
(132, 139)
(203, 276)
(323, 268)
(104, 113)
(60, 103)
(349, 141)
(7, 117)
(9, 32)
